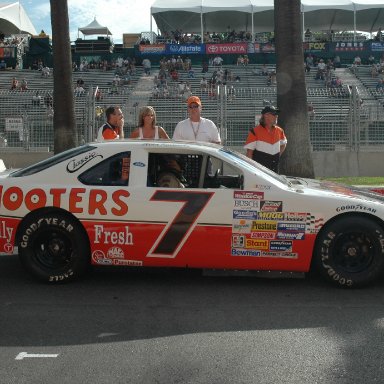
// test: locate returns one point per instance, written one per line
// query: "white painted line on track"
(23, 355)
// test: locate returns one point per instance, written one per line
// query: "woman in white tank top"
(147, 126)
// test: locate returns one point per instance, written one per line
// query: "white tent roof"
(216, 15)
(14, 19)
(94, 28)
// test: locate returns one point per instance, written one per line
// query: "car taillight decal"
(177, 231)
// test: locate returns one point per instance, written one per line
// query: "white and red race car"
(182, 204)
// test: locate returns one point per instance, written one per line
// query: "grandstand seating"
(234, 114)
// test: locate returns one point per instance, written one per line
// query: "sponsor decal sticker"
(243, 214)
(241, 226)
(75, 164)
(129, 263)
(258, 225)
(271, 206)
(263, 235)
(357, 207)
(138, 164)
(115, 253)
(256, 244)
(285, 255)
(99, 258)
(290, 235)
(295, 216)
(249, 204)
(238, 241)
(113, 237)
(248, 195)
(276, 245)
(245, 252)
(270, 215)
(291, 227)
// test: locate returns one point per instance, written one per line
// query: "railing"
(339, 121)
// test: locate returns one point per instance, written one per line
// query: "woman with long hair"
(147, 128)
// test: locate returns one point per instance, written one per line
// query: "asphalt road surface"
(176, 326)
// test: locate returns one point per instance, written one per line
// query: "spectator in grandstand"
(204, 64)
(311, 111)
(309, 60)
(240, 60)
(114, 127)
(374, 70)
(147, 66)
(266, 142)
(191, 73)
(217, 61)
(379, 35)
(203, 84)
(380, 85)
(337, 61)
(24, 85)
(357, 60)
(3, 65)
(371, 59)
(196, 128)
(147, 128)
(14, 84)
(321, 67)
(79, 90)
(45, 71)
(36, 99)
(48, 100)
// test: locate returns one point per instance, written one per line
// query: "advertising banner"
(185, 49)
(152, 49)
(349, 46)
(225, 49)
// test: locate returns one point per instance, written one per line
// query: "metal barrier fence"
(340, 121)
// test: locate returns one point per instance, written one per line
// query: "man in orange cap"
(196, 128)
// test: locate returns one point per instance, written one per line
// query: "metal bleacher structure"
(349, 118)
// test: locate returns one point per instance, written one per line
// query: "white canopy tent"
(14, 19)
(94, 28)
(194, 16)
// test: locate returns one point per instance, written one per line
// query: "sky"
(120, 16)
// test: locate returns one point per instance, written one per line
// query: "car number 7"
(176, 233)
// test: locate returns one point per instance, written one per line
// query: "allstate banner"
(185, 49)
(229, 48)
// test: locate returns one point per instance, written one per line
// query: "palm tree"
(65, 135)
(291, 89)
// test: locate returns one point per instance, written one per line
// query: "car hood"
(7, 172)
(332, 188)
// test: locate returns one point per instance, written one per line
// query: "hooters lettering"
(78, 200)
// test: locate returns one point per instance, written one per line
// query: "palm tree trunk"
(291, 89)
(65, 135)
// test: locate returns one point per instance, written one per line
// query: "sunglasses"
(193, 106)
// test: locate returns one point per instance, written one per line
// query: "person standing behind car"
(266, 142)
(196, 128)
(147, 126)
(114, 127)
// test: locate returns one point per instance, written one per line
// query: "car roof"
(175, 144)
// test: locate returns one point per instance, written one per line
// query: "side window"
(171, 170)
(220, 174)
(113, 171)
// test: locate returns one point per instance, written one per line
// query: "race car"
(184, 204)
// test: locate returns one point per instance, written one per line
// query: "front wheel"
(53, 247)
(350, 251)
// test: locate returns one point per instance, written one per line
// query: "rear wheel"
(53, 247)
(350, 251)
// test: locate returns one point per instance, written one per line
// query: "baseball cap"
(270, 109)
(193, 99)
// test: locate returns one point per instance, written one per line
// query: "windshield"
(250, 164)
(56, 159)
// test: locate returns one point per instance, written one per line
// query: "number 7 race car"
(181, 204)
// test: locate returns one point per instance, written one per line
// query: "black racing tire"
(53, 247)
(350, 251)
